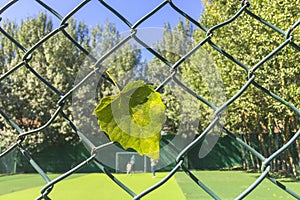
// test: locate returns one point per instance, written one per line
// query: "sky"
(95, 13)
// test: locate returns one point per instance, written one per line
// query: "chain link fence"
(180, 164)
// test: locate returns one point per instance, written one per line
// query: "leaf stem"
(114, 81)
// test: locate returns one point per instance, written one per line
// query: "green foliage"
(182, 110)
(133, 118)
(250, 41)
(28, 101)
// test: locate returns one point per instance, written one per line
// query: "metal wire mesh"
(27, 55)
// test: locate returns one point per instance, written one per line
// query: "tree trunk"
(288, 155)
(245, 159)
(262, 145)
(246, 164)
(250, 153)
(292, 163)
(298, 150)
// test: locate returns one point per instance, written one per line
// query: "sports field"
(226, 184)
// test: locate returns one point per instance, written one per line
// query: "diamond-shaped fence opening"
(74, 82)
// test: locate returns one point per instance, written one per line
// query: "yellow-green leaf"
(133, 118)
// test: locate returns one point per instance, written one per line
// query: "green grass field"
(226, 184)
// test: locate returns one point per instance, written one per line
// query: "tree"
(264, 122)
(15, 97)
(186, 115)
(120, 65)
(28, 101)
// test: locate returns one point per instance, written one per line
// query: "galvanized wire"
(26, 57)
